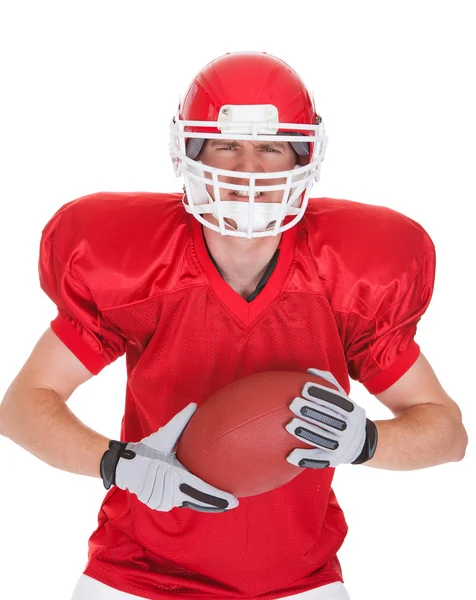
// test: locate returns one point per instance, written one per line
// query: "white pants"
(91, 589)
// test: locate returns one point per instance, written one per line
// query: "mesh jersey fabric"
(130, 274)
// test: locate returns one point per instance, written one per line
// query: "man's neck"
(241, 262)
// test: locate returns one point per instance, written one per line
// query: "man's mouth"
(243, 194)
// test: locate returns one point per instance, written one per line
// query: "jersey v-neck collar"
(245, 311)
(264, 279)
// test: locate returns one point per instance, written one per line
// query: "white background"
(88, 90)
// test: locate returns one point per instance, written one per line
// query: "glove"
(150, 470)
(331, 422)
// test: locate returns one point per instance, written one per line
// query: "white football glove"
(150, 470)
(328, 420)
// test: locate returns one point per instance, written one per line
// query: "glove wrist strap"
(370, 443)
(109, 461)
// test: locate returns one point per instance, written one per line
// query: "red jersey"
(130, 273)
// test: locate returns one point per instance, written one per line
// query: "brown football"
(237, 441)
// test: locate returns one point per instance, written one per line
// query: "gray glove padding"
(330, 421)
(157, 478)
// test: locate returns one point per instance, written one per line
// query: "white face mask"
(252, 218)
(239, 216)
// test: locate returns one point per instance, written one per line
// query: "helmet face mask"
(208, 188)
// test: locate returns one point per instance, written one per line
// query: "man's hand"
(150, 470)
(330, 421)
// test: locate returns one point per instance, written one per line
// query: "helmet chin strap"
(236, 214)
(265, 214)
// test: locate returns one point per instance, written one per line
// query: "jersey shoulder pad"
(117, 241)
(369, 251)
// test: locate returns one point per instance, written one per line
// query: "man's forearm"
(39, 421)
(425, 435)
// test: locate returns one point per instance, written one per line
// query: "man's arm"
(427, 429)
(34, 415)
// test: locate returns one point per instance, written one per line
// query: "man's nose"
(248, 162)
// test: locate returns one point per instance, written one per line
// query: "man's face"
(250, 157)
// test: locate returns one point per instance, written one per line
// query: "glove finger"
(327, 375)
(313, 435)
(162, 491)
(204, 498)
(200, 508)
(314, 459)
(313, 412)
(191, 484)
(165, 439)
(315, 392)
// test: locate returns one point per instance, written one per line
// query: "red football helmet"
(247, 96)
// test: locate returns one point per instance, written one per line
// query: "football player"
(242, 273)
